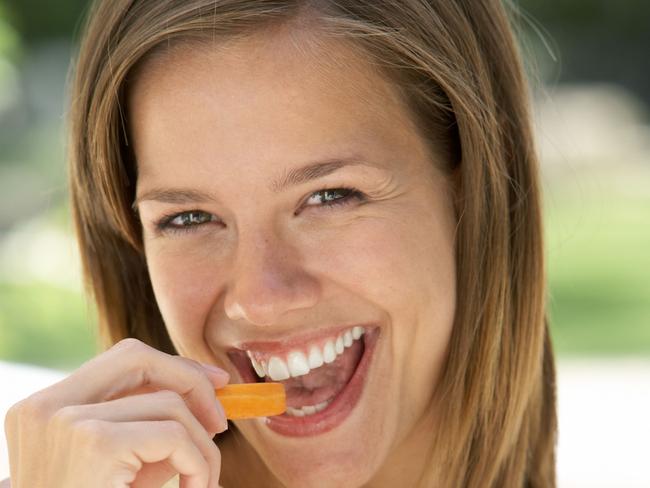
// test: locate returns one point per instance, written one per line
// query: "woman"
(341, 196)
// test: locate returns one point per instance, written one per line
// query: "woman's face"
(249, 256)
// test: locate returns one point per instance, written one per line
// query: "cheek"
(185, 285)
(401, 264)
(406, 267)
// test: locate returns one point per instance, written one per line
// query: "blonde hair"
(458, 67)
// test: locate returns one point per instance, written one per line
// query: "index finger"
(130, 365)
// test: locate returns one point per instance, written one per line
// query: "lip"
(285, 344)
(340, 408)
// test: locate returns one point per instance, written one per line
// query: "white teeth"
(315, 357)
(308, 409)
(347, 338)
(338, 346)
(259, 369)
(296, 412)
(277, 369)
(297, 363)
(329, 354)
(322, 405)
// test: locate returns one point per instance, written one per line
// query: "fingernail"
(222, 417)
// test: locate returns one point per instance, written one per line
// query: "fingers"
(130, 445)
(132, 415)
(132, 365)
(153, 406)
(162, 405)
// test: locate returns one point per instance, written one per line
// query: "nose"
(268, 281)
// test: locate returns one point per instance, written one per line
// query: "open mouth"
(323, 379)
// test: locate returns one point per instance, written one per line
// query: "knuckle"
(201, 380)
(198, 374)
(134, 354)
(13, 413)
(191, 362)
(11, 419)
(197, 380)
(34, 408)
(130, 344)
(138, 357)
(64, 418)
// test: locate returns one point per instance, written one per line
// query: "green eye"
(184, 221)
(187, 219)
(328, 196)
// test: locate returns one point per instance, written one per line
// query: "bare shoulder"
(5, 483)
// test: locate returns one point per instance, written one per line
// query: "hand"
(130, 417)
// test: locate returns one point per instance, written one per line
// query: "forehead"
(278, 90)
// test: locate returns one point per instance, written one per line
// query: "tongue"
(325, 382)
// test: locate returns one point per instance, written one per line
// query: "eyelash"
(164, 225)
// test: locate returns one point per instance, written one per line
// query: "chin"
(346, 457)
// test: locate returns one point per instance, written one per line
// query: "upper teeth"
(298, 363)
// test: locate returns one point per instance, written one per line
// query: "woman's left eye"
(329, 198)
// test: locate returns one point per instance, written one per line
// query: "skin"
(136, 415)
(204, 119)
(227, 120)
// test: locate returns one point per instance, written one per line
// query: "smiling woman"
(338, 196)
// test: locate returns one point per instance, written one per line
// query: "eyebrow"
(290, 178)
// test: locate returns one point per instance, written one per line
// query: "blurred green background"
(588, 62)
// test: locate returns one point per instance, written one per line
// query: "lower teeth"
(307, 409)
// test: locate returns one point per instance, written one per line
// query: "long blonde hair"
(459, 70)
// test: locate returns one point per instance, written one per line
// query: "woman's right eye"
(184, 221)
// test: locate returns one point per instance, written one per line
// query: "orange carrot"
(248, 400)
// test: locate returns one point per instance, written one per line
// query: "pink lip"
(285, 344)
(340, 408)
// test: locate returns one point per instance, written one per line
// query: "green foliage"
(599, 268)
(626, 17)
(9, 39)
(40, 19)
(45, 325)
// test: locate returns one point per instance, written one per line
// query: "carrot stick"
(248, 400)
